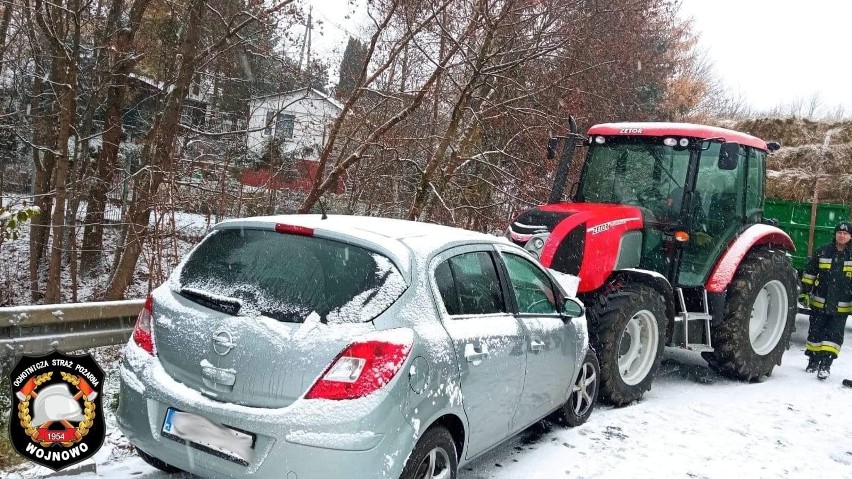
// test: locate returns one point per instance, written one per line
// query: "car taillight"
(142, 331)
(361, 369)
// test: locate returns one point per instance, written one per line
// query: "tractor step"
(692, 332)
(692, 329)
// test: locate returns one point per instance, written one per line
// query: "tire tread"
(608, 313)
(733, 355)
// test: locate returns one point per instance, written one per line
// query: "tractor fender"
(624, 276)
(754, 235)
(654, 280)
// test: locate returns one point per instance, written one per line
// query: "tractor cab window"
(637, 171)
(754, 185)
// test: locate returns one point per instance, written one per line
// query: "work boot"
(824, 370)
(813, 364)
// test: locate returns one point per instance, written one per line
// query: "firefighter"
(827, 290)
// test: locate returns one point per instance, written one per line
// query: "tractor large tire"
(627, 324)
(760, 317)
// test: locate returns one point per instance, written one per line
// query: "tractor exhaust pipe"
(558, 188)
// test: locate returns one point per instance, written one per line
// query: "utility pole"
(306, 46)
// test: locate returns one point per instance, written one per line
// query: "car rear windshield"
(288, 277)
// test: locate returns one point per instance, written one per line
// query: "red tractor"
(666, 233)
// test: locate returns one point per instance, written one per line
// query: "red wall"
(266, 178)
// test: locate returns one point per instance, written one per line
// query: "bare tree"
(159, 147)
(123, 60)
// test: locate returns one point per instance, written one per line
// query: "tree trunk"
(104, 171)
(92, 248)
(157, 155)
(66, 81)
(4, 29)
(43, 162)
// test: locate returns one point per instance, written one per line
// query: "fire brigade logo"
(56, 409)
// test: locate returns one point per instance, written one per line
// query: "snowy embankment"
(693, 423)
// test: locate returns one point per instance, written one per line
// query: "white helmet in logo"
(56, 403)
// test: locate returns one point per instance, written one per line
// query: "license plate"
(206, 435)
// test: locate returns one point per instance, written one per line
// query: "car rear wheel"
(156, 463)
(584, 393)
(434, 457)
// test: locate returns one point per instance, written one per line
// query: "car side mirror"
(571, 308)
(729, 156)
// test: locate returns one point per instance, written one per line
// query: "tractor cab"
(695, 192)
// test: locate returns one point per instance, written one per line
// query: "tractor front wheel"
(627, 325)
(760, 316)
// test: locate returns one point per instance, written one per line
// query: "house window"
(267, 128)
(284, 126)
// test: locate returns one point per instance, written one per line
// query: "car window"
(287, 277)
(533, 289)
(468, 284)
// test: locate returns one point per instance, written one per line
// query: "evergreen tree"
(350, 67)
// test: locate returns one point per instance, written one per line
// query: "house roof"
(159, 86)
(306, 92)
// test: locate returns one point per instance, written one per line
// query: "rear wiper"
(289, 316)
(219, 303)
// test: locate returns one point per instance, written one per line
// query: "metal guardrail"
(67, 327)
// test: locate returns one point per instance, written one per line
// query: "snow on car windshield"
(287, 277)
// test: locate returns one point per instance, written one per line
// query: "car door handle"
(536, 345)
(475, 355)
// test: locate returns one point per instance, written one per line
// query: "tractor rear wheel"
(627, 323)
(760, 316)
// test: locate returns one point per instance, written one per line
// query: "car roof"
(397, 238)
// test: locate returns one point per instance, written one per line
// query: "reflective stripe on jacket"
(828, 279)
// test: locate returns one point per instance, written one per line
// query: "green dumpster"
(795, 219)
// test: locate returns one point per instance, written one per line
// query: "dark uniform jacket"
(828, 279)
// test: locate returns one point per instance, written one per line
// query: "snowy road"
(693, 423)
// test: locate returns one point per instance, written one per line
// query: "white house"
(298, 120)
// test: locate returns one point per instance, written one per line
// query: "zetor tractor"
(666, 233)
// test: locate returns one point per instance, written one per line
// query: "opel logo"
(223, 343)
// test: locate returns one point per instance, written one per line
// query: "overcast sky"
(771, 53)
(334, 21)
(775, 52)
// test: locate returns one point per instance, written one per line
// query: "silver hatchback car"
(308, 347)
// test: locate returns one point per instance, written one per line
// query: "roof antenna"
(322, 209)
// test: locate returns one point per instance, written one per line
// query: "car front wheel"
(583, 395)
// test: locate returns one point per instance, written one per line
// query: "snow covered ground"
(692, 424)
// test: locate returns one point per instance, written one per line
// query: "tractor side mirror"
(729, 156)
(551, 148)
